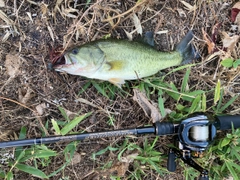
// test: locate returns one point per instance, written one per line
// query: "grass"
(145, 157)
(40, 155)
(209, 86)
(221, 158)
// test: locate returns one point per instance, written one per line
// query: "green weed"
(106, 89)
(221, 158)
(39, 156)
(228, 63)
(225, 156)
(31, 160)
(188, 101)
(148, 157)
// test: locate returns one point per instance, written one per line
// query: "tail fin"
(186, 49)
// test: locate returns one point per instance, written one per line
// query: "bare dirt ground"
(30, 93)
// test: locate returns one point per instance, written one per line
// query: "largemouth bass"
(119, 60)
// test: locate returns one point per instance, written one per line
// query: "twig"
(17, 10)
(16, 102)
(113, 10)
(126, 12)
(79, 22)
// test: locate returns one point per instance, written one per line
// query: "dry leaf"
(215, 54)
(162, 32)
(12, 65)
(6, 36)
(30, 16)
(2, 3)
(235, 11)
(129, 158)
(70, 114)
(56, 8)
(5, 18)
(122, 166)
(188, 6)
(32, 2)
(82, 100)
(137, 24)
(4, 136)
(215, 32)
(119, 167)
(12, 29)
(149, 109)
(229, 42)
(40, 108)
(237, 21)
(50, 32)
(181, 12)
(209, 42)
(44, 8)
(68, 12)
(129, 35)
(235, 15)
(24, 97)
(76, 159)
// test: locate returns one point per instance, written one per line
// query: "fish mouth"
(60, 61)
(64, 61)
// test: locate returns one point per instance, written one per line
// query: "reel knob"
(171, 163)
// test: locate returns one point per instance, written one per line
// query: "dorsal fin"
(147, 38)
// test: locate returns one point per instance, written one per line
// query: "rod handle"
(164, 128)
(225, 122)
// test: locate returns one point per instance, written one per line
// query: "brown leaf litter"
(30, 94)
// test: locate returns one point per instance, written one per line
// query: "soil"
(31, 92)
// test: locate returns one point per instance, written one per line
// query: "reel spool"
(199, 133)
(196, 133)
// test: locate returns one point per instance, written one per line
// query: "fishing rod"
(192, 136)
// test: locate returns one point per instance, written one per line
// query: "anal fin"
(117, 81)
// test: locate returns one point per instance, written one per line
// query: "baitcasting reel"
(194, 135)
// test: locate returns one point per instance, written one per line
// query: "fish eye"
(75, 51)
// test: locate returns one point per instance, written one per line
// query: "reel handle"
(171, 162)
(203, 178)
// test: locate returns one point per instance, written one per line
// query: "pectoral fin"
(117, 81)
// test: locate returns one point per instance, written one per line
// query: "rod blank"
(76, 137)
